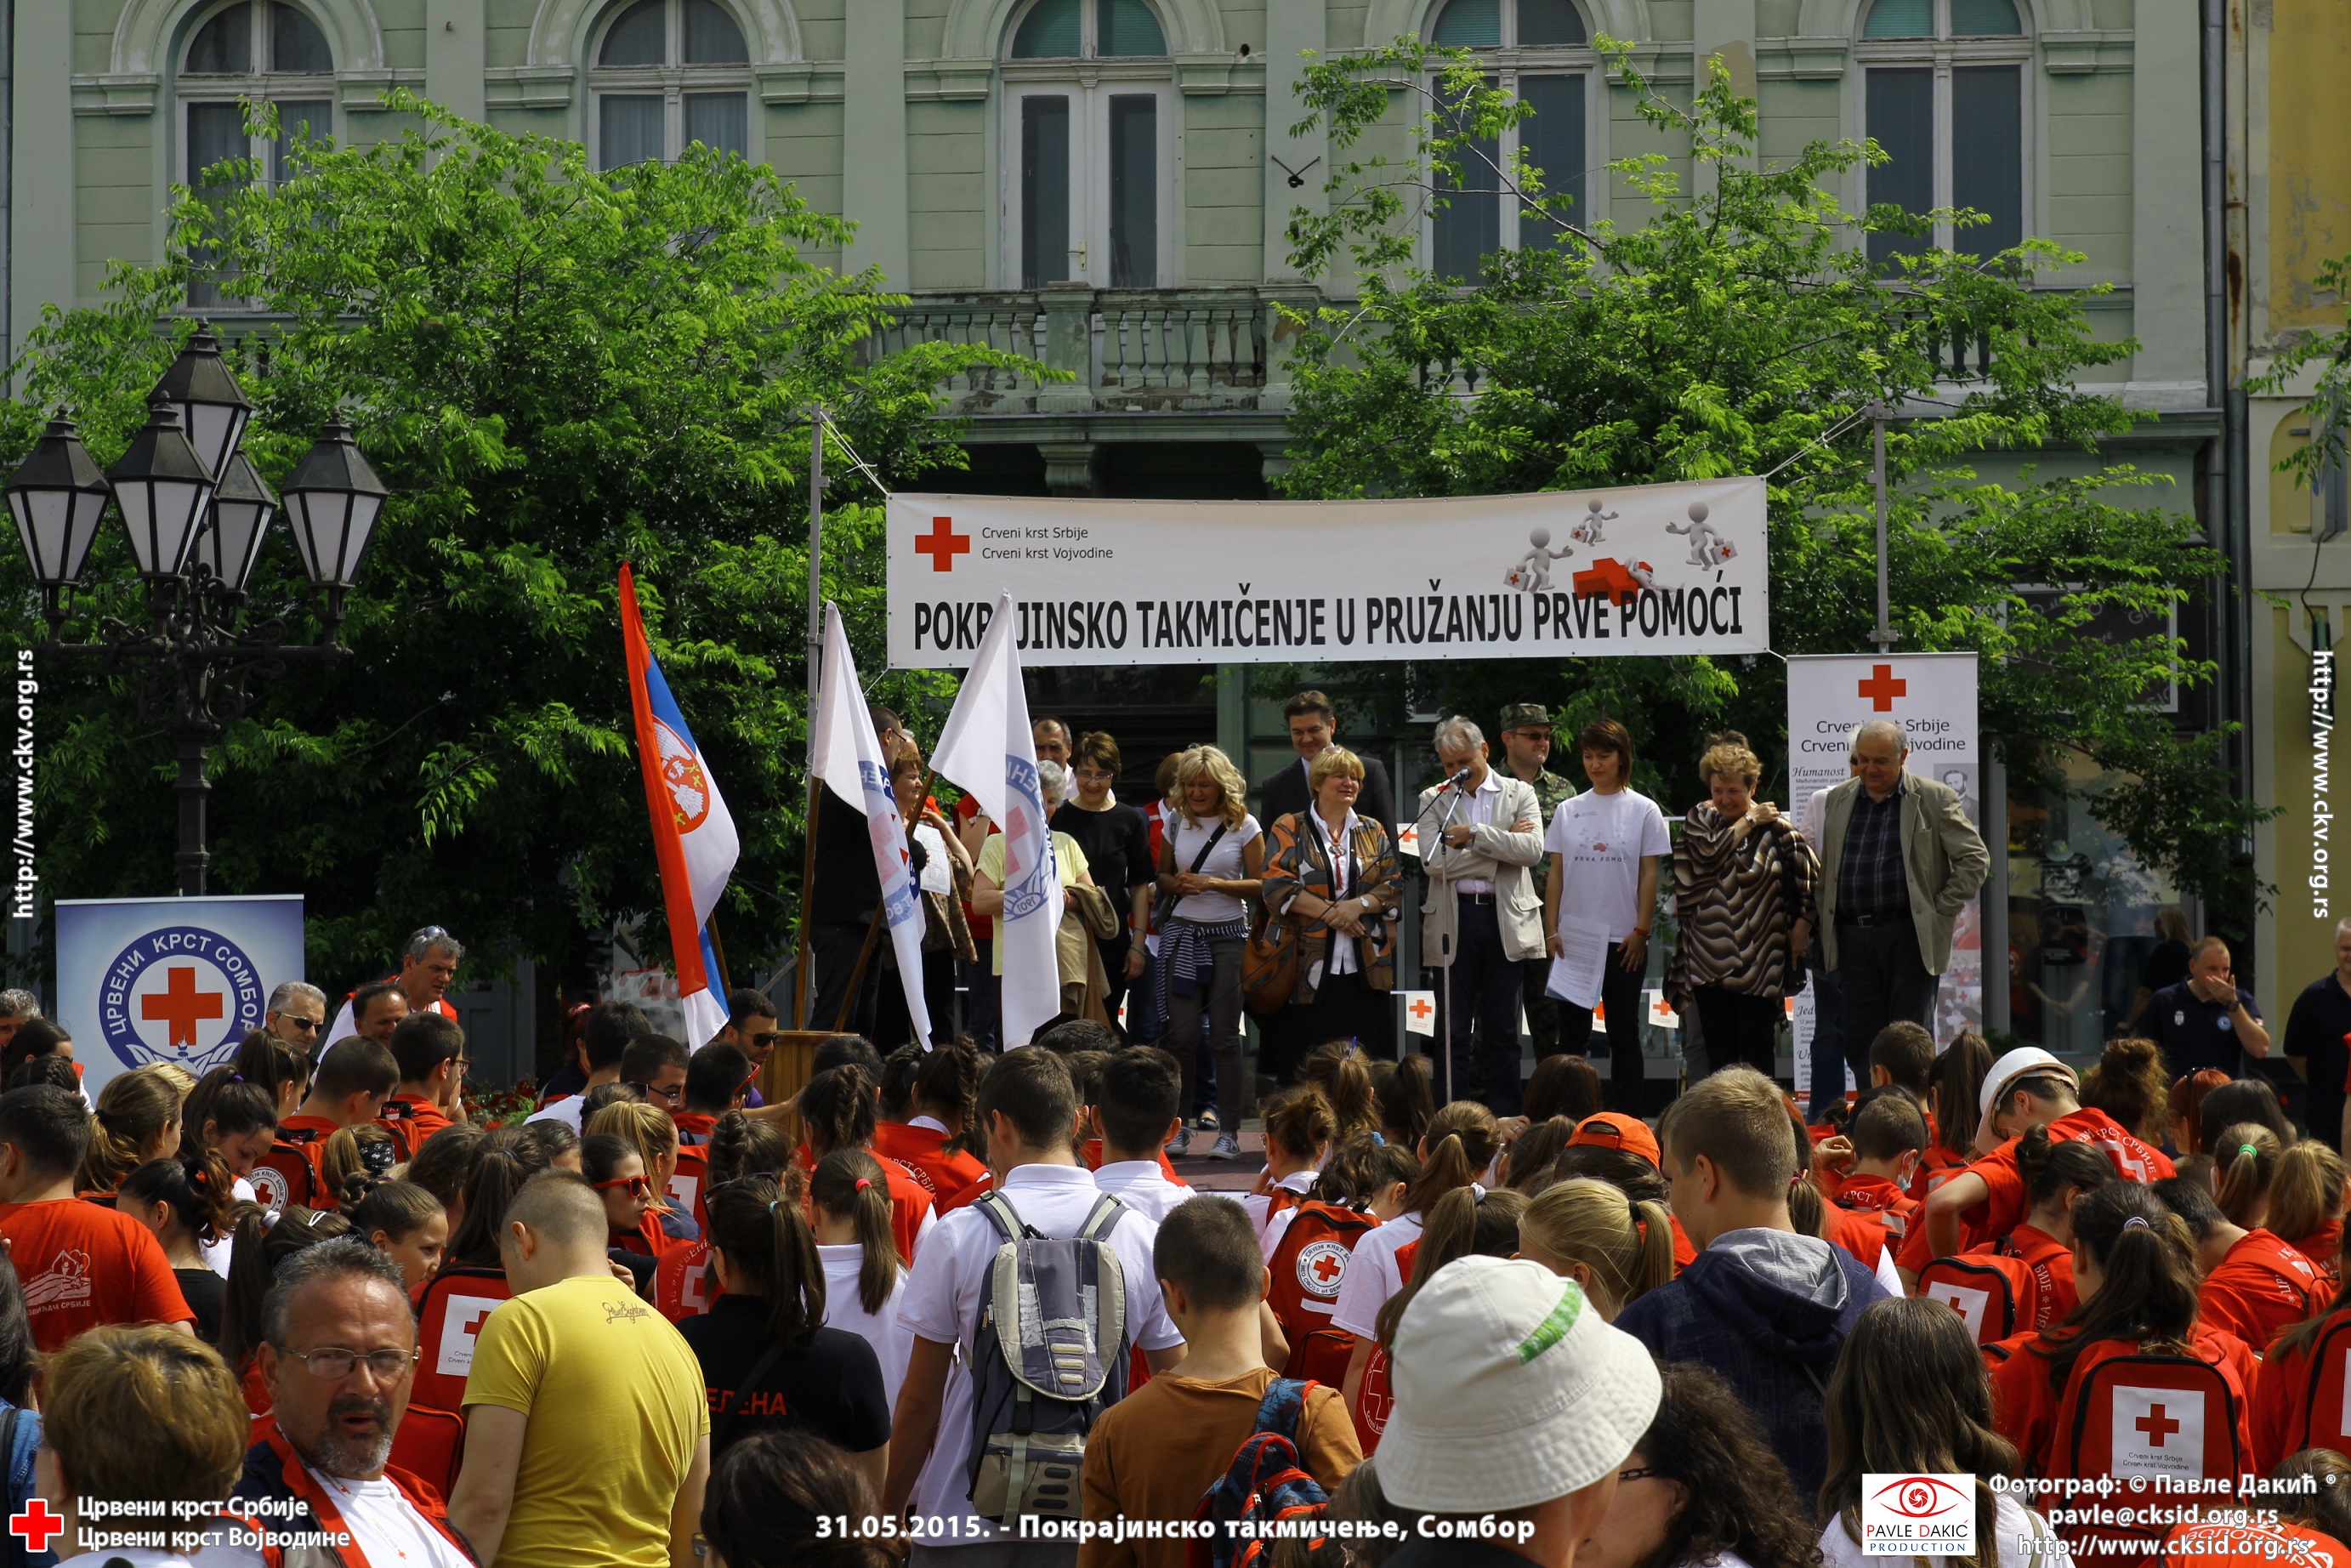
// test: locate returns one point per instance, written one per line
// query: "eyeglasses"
(308, 1025)
(666, 1096)
(1095, 776)
(636, 1187)
(1638, 1473)
(334, 1363)
(766, 1040)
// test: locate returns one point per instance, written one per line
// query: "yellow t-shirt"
(615, 1402)
(1068, 859)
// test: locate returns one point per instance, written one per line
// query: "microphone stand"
(1449, 788)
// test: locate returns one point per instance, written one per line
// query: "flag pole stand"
(808, 912)
(815, 689)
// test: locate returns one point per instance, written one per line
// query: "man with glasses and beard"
(338, 1354)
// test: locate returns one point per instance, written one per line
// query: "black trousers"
(833, 953)
(1884, 980)
(1344, 1007)
(1620, 996)
(1481, 999)
(1739, 1029)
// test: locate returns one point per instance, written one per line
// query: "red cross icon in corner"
(943, 544)
(36, 1525)
(1882, 687)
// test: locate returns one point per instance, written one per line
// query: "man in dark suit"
(1314, 730)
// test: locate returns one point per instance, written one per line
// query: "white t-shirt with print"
(386, 1526)
(941, 1304)
(1605, 839)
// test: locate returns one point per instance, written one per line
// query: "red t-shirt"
(81, 1265)
(694, 1126)
(412, 1119)
(683, 1287)
(2261, 1287)
(2025, 1406)
(289, 1172)
(2225, 1544)
(923, 1151)
(1936, 1166)
(1870, 1214)
(1684, 1253)
(2323, 1248)
(2054, 1295)
(2005, 1208)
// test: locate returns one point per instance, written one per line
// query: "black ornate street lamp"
(197, 514)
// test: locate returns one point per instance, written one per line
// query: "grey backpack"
(1051, 1357)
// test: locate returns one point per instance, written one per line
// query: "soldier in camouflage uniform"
(1526, 747)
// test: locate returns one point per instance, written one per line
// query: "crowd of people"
(953, 1301)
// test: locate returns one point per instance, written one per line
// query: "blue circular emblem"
(181, 994)
(1026, 896)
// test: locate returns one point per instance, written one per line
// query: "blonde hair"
(134, 1111)
(1207, 762)
(146, 1416)
(647, 1129)
(2306, 1190)
(172, 1073)
(1728, 755)
(1338, 759)
(2171, 924)
(1626, 1244)
(2245, 1161)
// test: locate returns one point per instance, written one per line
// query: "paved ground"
(1223, 1175)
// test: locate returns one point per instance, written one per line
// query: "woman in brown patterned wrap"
(1743, 880)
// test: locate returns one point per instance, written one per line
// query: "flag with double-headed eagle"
(695, 842)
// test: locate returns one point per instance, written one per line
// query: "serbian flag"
(694, 834)
(848, 757)
(988, 749)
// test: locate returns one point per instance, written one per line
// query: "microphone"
(1458, 779)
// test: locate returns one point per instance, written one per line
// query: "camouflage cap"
(1518, 715)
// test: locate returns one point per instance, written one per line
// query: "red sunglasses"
(637, 1185)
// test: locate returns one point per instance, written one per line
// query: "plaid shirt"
(1870, 876)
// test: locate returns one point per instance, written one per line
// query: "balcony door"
(1087, 168)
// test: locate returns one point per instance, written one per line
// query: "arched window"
(1090, 109)
(1540, 51)
(1943, 84)
(258, 52)
(669, 73)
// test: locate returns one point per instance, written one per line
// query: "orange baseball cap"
(1613, 1130)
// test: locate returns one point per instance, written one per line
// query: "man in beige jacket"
(1899, 860)
(1482, 920)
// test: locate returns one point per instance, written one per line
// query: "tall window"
(1540, 51)
(1944, 84)
(1090, 112)
(670, 73)
(256, 51)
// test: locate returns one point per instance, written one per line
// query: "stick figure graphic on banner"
(1587, 528)
(1532, 573)
(1707, 547)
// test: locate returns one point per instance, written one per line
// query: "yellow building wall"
(2310, 158)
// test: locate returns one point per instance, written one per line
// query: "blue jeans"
(1482, 1000)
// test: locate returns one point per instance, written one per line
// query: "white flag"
(848, 757)
(988, 749)
(1420, 1012)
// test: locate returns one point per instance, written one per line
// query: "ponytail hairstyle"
(1910, 1396)
(1627, 1245)
(946, 1088)
(2240, 1099)
(201, 1193)
(283, 1073)
(1342, 1075)
(364, 1150)
(1527, 1164)
(2128, 1084)
(1564, 1085)
(740, 1146)
(1458, 1225)
(56, 1072)
(770, 1248)
(1957, 1086)
(898, 1073)
(1461, 1140)
(228, 1104)
(262, 1246)
(1404, 1103)
(1808, 1210)
(2184, 1105)
(2050, 1166)
(2306, 1192)
(395, 1207)
(134, 1112)
(2247, 1157)
(445, 1162)
(849, 1185)
(2146, 1290)
(1302, 1123)
(1359, 1167)
(647, 1129)
(837, 1109)
(506, 1160)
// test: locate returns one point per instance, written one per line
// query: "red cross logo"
(36, 1525)
(1328, 1267)
(1663, 1010)
(1420, 1009)
(943, 544)
(1882, 687)
(181, 1005)
(2155, 1425)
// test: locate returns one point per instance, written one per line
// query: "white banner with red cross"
(1636, 569)
(1933, 697)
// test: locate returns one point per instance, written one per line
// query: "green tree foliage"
(1744, 329)
(555, 371)
(2329, 354)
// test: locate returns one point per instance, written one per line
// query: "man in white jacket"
(1482, 920)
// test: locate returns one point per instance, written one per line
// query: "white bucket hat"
(1510, 1390)
(2016, 1064)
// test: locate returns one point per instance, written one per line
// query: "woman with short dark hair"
(1606, 846)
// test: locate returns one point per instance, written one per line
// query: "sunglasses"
(636, 1187)
(766, 1040)
(308, 1025)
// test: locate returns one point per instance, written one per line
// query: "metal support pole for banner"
(816, 575)
(1879, 414)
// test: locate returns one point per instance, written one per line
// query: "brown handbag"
(1270, 964)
